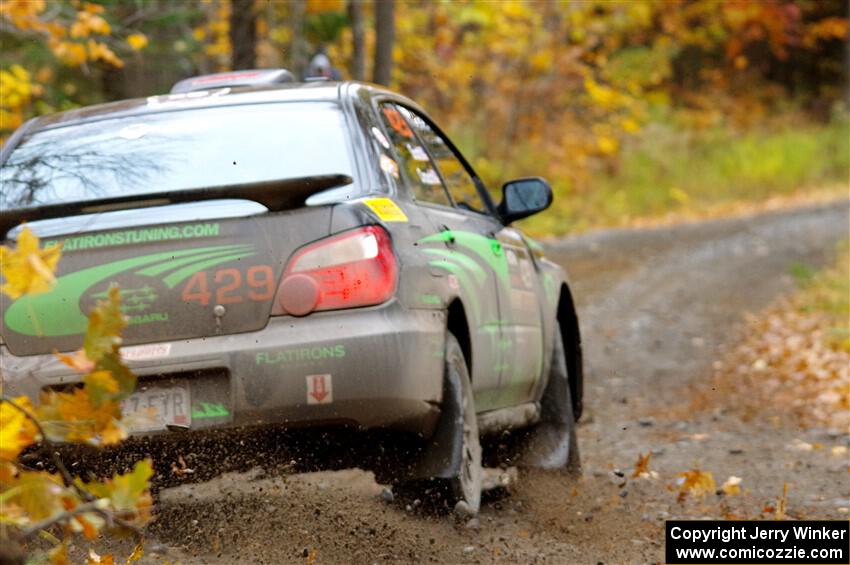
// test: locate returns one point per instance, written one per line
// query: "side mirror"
(524, 197)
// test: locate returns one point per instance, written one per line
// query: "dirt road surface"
(657, 307)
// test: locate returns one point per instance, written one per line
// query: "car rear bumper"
(382, 368)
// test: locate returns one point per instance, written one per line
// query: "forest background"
(636, 111)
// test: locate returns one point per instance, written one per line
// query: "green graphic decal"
(169, 265)
(58, 311)
(471, 253)
(464, 261)
(431, 299)
(179, 275)
(132, 299)
(549, 289)
(128, 237)
(209, 410)
(487, 249)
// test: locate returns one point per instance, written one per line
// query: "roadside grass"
(669, 175)
(794, 358)
(827, 293)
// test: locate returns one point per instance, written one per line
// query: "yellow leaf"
(28, 269)
(137, 554)
(541, 61)
(59, 555)
(607, 145)
(39, 493)
(105, 324)
(20, 73)
(696, 483)
(70, 53)
(16, 430)
(630, 125)
(679, 195)
(101, 52)
(101, 386)
(137, 41)
(129, 492)
(74, 416)
(93, 8)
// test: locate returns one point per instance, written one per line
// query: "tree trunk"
(297, 55)
(358, 44)
(384, 39)
(243, 34)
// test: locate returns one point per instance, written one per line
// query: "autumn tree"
(384, 40)
(243, 34)
(357, 68)
(78, 35)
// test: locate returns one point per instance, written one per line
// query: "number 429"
(229, 286)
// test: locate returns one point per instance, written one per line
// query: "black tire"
(457, 484)
(466, 486)
(552, 443)
(557, 402)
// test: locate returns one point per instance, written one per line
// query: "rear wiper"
(276, 195)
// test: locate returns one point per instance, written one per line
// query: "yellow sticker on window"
(386, 209)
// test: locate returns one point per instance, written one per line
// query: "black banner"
(817, 542)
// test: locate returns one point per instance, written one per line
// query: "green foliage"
(802, 272)
(828, 291)
(670, 170)
(631, 108)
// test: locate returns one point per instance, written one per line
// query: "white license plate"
(155, 408)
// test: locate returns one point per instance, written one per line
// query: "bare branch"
(111, 518)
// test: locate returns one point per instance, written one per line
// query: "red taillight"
(355, 268)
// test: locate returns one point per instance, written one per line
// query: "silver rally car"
(296, 254)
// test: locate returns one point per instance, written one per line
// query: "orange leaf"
(79, 361)
(642, 465)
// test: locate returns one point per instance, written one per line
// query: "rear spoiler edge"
(276, 195)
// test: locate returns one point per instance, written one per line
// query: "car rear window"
(176, 150)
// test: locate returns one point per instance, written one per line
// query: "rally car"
(296, 254)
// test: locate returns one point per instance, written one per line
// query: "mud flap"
(552, 443)
(441, 457)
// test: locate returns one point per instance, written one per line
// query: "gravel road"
(657, 307)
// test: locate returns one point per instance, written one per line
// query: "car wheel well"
(457, 324)
(571, 336)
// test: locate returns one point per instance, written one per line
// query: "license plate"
(155, 408)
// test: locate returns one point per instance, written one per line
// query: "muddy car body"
(294, 255)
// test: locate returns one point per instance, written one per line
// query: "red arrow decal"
(319, 388)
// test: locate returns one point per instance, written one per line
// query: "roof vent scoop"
(254, 77)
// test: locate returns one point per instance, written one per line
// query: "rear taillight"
(355, 268)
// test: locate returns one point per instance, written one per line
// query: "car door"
(458, 248)
(519, 344)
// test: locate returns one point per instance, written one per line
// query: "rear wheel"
(466, 486)
(459, 484)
